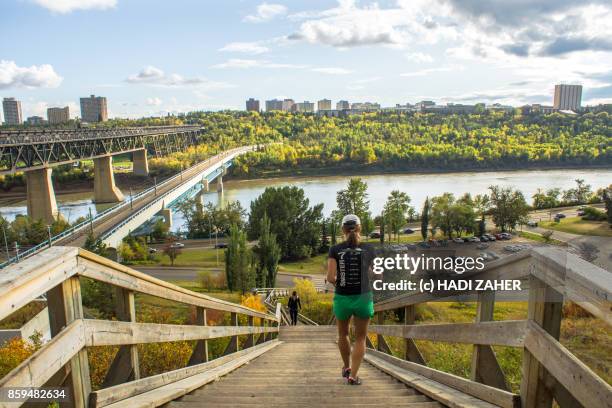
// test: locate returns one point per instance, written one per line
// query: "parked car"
(473, 239)
(152, 250)
(220, 245)
(484, 238)
(580, 213)
(499, 236)
(408, 231)
(177, 245)
(375, 235)
(560, 215)
(506, 235)
(458, 240)
(491, 237)
(532, 223)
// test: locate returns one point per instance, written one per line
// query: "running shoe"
(354, 381)
(346, 372)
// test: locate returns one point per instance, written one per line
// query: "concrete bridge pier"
(220, 184)
(140, 163)
(41, 196)
(167, 214)
(105, 190)
(205, 186)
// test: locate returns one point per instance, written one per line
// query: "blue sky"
(149, 57)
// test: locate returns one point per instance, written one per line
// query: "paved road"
(597, 250)
(168, 273)
(108, 222)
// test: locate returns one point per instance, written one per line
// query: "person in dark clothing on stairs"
(349, 268)
(294, 305)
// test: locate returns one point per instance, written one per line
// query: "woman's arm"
(331, 270)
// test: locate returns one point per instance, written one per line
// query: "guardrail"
(57, 273)
(109, 211)
(549, 371)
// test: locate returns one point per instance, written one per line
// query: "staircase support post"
(125, 367)
(485, 367)
(200, 351)
(65, 306)
(233, 346)
(545, 309)
(381, 343)
(411, 351)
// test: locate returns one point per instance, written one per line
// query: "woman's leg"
(343, 341)
(361, 331)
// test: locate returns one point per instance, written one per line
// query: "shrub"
(16, 350)
(593, 214)
(305, 290)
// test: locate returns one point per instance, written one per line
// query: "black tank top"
(352, 265)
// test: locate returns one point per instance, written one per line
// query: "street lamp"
(5, 243)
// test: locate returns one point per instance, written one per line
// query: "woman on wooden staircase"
(348, 267)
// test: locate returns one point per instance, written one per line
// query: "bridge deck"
(304, 371)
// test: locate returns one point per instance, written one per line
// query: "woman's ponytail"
(353, 235)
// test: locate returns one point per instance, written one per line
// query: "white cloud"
(151, 75)
(66, 6)
(36, 76)
(419, 57)
(333, 71)
(266, 12)
(252, 63)
(155, 101)
(427, 71)
(245, 47)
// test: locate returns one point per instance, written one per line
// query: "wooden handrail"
(56, 272)
(549, 369)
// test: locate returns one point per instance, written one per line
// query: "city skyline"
(390, 52)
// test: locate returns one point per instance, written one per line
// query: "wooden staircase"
(304, 371)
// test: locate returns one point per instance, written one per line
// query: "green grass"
(196, 257)
(539, 238)
(576, 225)
(315, 266)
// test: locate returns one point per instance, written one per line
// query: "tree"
(324, 238)
(425, 218)
(238, 268)
(267, 253)
(396, 210)
(296, 225)
(509, 207)
(354, 200)
(171, 250)
(442, 214)
(606, 196)
(160, 231)
(95, 245)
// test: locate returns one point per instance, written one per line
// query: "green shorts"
(361, 305)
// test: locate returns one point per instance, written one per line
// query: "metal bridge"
(115, 223)
(25, 150)
(267, 364)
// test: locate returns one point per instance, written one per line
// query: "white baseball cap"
(351, 220)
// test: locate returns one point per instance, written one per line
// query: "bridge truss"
(35, 149)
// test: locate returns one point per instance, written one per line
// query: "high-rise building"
(56, 116)
(12, 111)
(252, 105)
(93, 109)
(324, 104)
(303, 107)
(36, 121)
(567, 97)
(274, 105)
(343, 105)
(288, 105)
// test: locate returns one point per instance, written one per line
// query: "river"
(323, 189)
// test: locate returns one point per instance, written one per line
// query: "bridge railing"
(82, 226)
(63, 360)
(549, 370)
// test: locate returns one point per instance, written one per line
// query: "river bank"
(364, 170)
